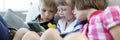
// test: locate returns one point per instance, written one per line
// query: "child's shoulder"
(110, 10)
(113, 8)
(110, 16)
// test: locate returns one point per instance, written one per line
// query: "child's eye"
(51, 11)
(64, 9)
(58, 10)
(43, 10)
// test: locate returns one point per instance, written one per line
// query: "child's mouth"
(47, 18)
(62, 17)
(75, 15)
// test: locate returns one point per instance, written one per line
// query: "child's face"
(65, 12)
(47, 13)
(80, 15)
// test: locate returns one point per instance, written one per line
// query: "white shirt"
(73, 27)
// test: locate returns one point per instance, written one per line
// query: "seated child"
(103, 24)
(48, 9)
(67, 23)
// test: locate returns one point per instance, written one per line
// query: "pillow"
(14, 21)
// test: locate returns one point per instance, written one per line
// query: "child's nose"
(60, 13)
(46, 14)
(73, 12)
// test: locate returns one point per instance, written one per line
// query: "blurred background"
(21, 8)
(28, 9)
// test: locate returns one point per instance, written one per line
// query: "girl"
(102, 24)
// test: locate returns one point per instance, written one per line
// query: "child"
(102, 24)
(47, 9)
(67, 22)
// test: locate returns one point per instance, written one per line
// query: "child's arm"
(115, 32)
(112, 16)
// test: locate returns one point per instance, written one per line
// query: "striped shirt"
(73, 27)
(101, 22)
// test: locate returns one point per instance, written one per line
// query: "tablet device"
(35, 26)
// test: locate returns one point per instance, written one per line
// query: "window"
(16, 5)
(1, 4)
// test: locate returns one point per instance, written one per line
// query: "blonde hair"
(86, 4)
(65, 2)
(48, 3)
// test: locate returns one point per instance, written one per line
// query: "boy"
(47, 9)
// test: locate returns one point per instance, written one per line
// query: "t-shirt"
(101, 22)
(46, 25)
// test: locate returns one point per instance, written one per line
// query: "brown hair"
(48, 3)
(86, 4)
(65, 2)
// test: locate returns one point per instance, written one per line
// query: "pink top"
(101, 22)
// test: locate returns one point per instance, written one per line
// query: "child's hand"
(40, 33)
(12, 32)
